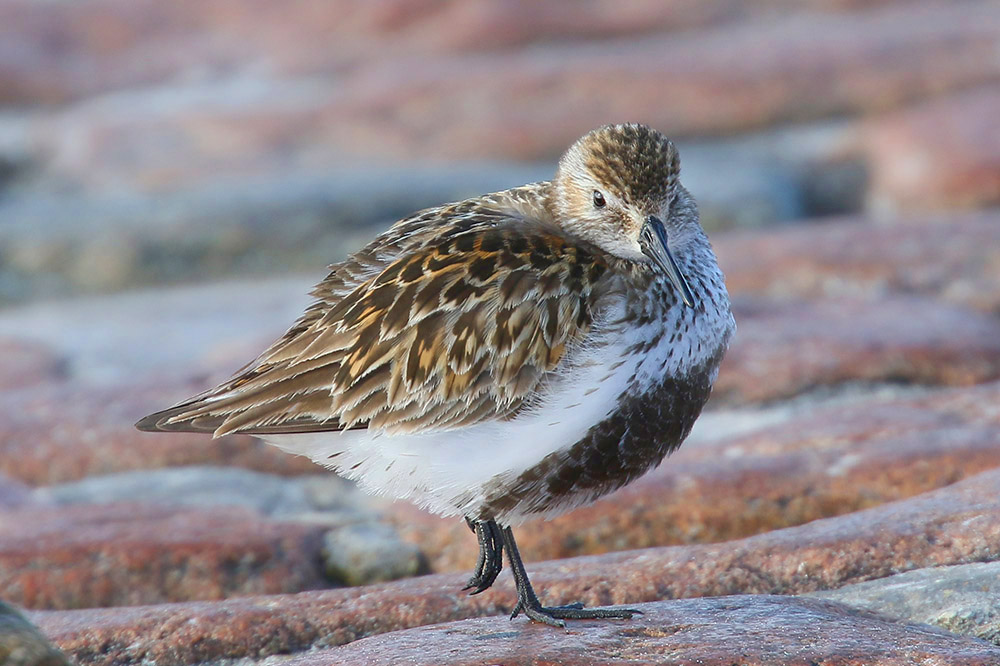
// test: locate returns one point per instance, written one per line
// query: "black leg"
(528, 602)
(490, 554)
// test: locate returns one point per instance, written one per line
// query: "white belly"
(446, 472)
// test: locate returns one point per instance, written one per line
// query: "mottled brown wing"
(453, 328)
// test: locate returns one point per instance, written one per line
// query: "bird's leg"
(529, 604)
(490, 554)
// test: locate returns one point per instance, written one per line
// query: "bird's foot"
(554, 615)
(527, 600)
(490, 555)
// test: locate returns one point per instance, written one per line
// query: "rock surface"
(27, 363)
(177, 339)
(942, 155)
(126, 554)
(152, 144)
(710, 632)
(783, 350)
(365, 553)
(953, 525)
(21, 644)
(190, 486)
(522, 105)
(852, 436)
(60, 433)
(14, 493)
(205, 39)
(954, 257)
(960, 598)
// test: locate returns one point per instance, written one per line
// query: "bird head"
(617, 187)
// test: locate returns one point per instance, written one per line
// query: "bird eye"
(599, 199)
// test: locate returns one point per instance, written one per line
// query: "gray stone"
(119, 338)
(370, 553)
(22, 644)
(186, 486)
(92, 242)
(738, 188)
(962, 599)
(13, 493)
(776, 175)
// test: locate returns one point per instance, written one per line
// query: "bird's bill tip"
(656, 248)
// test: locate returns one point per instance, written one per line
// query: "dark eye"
(599, 199)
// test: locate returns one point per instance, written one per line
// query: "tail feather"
(173, 420)
(167, 420)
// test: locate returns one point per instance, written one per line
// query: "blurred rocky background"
(175, 175)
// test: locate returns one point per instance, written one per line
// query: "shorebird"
(502, 358)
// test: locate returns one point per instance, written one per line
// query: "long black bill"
(653, 240)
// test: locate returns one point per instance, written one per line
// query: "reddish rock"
(70, 50)
(938, 156)
(955, 257)
(121, 554)
(781, 350)
(526, 105)
(25, 363)
(822, 464)
(54, 433)
(710, 632)
(957, 524)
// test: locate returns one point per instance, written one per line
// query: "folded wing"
(417, 332)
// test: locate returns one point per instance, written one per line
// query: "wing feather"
(425, 329)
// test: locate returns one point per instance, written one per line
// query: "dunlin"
(502, 358)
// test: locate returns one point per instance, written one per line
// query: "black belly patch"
(614, 452)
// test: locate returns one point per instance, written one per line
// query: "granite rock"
(109, 44)
(14, 493)
(118, 370)
(524, 105)
(323, 498)
(125, 554)
(193, 486)
(62, 243)
(782, 349)
(960, 598)
(370, 552)
(954, 257)
(954, 525)
(52, 434)
(718, 631)
(122, 340)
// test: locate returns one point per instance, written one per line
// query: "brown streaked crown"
(635, 163)
(632, 170)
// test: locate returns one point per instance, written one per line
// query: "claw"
(527, 601)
